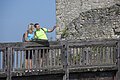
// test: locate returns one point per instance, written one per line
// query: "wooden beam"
(118, 63)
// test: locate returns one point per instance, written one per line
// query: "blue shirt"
(30, 36)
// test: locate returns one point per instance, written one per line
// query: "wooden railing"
(60, 57)
(42, 58)
(92, 54)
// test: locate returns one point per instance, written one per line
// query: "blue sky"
(15, 15)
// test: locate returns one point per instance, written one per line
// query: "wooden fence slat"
(16, 59)
(70, 56)
(39, 64)
(51, 58)
(57, 57)
(108, 55)
(28, 60)
(54, 57)
(21, 60)
(80, 63)
(98, 55)
(73, 54)
(60, 60)
(13, 60)
(36, 52)
(47, 58)
(1, 62)
(43, 59)
(77, 59)
(24, 58)
(33, 54)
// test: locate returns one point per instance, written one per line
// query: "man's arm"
(51, 30)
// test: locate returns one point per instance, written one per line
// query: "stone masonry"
(87, 19)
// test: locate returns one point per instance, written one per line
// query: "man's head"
(37, 26)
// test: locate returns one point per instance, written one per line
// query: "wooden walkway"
(62, 60)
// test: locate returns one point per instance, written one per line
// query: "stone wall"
(86, 19)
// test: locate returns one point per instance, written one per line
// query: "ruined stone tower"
(87, 19)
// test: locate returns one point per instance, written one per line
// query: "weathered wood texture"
(42, 77)
(64, 57)
(118, 63)
(107, 75)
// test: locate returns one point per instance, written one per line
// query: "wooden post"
(4, 60)
(118, 63)
(8, 52)
(65, 60)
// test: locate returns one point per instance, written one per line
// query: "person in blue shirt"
(29, 35)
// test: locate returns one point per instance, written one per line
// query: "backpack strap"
(35, 35)
(43, 30)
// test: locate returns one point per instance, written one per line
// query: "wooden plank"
(51, 58)
(80, 63)
(95, 55)
(33, 57)
(54, 58)
(77, 56)
(38, 61)
(90, 55)
(104, 42)
(101, 55)
(118, 63)
(9, 64)
(73, 53)
(70, 56)
(57, 57)
(87, 55)
(40, 58)
(104, 55)
(36, 52)
(24, 59)
(13, 60)
(1, 60)
(98, 56)
(108, 55)
(47, 58)
(43, 58)
(28, 59)
(16, 59)
(111, 52)
(5, 59)
(60, 61)
(21, 60)
(84, 56)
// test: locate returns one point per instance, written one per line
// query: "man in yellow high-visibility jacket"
(40, 33)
